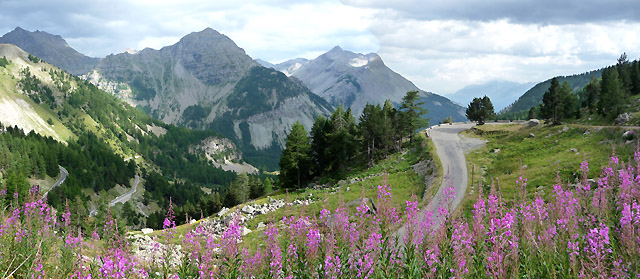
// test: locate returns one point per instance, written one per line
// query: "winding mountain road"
(63, 175)
(450, 147)
(126, 196)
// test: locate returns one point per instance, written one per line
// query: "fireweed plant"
(585, 230)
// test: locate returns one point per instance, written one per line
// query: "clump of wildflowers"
(584, 231)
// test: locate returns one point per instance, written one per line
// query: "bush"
(4, 62)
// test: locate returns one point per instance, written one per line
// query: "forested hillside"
(110, 142)
(533, 97)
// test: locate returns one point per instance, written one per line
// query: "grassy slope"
(399, 175)
(7, 90)
(541, 159)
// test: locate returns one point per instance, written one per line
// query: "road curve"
(126, 196)
(450, 147)
(63, 175)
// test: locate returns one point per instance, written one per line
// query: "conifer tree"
(592, 91)
(635, 77)
(268, 186)
(294, 163)
(480, 109)
(341, 140)
(412, 112)
(319, 144)
(623, 68)
(552, 103)
(612, 94)
(392, 126)
(371, 127)
(568, 101)
(533, 113)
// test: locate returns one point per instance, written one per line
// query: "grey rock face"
(206, 81)
(352, 79)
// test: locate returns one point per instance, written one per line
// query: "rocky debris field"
(216, 226)
(150, 250)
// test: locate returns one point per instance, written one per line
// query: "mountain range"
(102, 141)
(353, 79)
(501, 93)
(205, 81)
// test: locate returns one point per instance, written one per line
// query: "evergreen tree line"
(607, 96)
(89, 161)
(194, 204)
(338, 144)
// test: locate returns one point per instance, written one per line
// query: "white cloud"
(446, 55)
(439, 45)
(273, 30)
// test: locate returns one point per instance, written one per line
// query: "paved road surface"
(63, 175)
(126, 196)
(450, 147)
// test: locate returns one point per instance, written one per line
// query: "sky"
(442, 46)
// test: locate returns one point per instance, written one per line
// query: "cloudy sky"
(441, 46)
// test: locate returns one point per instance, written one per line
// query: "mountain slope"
(196, 83)
(53, 49)
(533, 96)
(290, 66)
(351, 79)
(501, 93)
(20, 110)
(98, 131)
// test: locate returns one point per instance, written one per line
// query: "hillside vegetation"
(533, 97)
(98, 132)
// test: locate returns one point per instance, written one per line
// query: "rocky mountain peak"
(210, 56)
(354, 79)
(51, 48)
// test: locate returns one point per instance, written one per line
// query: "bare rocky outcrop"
(216, 226)
(223, 154)
(623, 118)
(149, 250)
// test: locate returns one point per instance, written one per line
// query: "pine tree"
(480, 109)
(341, 145)
(612, 94)
(551, 106)
(268, 186)
(412, 112)
(635, 77)
(391, 126)
(320, 144)
(623, 68)
(533, 113)
(294, 163)
(371, 129)
(592, 91)
(568, 102)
